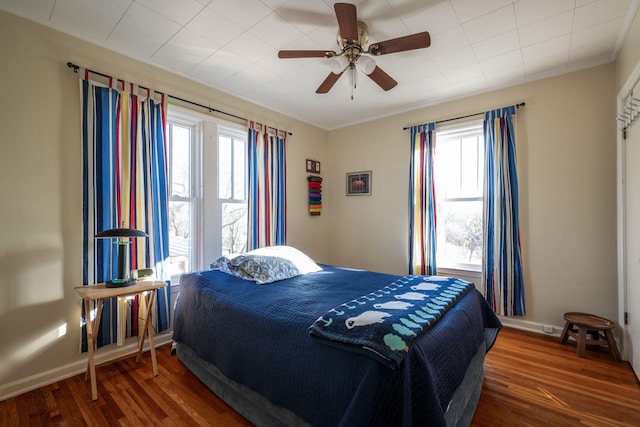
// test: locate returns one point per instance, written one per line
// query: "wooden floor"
(530, 380)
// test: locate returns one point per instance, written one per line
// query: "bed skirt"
(260, 411)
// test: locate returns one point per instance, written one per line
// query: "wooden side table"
(147, 290)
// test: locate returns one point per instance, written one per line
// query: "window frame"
(205, 183)
(195, 198)
(459, 131)
(234, 135)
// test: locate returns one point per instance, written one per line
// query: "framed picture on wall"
(359, 183)
(313, 166)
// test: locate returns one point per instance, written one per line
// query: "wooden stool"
(580, 324)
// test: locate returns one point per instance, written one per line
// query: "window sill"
(452, 271)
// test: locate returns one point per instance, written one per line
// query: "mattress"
(253, 341)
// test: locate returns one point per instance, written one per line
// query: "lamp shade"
(121, 232)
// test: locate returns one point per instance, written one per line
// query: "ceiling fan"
(352, 40)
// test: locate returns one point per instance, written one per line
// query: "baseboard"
(42, 379)
(527, 325)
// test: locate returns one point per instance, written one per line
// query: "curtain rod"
(522, 104)
(210, 109)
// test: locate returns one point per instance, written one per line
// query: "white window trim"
(233, 133)
(196, 190)
(461, 129)
(206, 181)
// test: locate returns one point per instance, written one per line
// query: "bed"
(263, 348)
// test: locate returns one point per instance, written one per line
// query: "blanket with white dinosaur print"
(384, 323)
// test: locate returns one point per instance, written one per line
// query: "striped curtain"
(422, 201)
(502, 277)
(267, 204)
(124, 185)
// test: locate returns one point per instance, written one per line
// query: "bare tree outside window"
(464, 232)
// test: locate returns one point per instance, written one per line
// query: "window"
(458, 168)
(232, 190)
(183, 201)
(208, 192)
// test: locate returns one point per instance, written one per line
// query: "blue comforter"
(259, 336)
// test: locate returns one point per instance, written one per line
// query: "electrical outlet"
(547, 329)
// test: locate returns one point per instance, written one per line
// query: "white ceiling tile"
(280, 66)
(214, 26)
(472, 9)
(435, 19)
(405, 60)
(250, 47)
(93, 18)
(458, 76)
(506, 60)
(447, 41)
(497, 45)
(438, 93)
(548, 55)
(595, 41)
(455, 59)
(430, 83)
(246, 80)
(325, 36)
(185, 50)
(392, 30)
(274, 4)
(180, 12)
(298, 78)
(425, 69)
(546, 29)
(406, 8)
(380, 13)
(599, 12)
(142, 31)
(276, 31)
(219, 66)
(243, 13)
(506, 76)
(530, 11)
(39, 10)
(307, 16)
(490, 25)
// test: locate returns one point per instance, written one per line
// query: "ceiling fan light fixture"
(367, 65)
(338, 64)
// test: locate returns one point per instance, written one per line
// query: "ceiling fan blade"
(347, 21)
(401, 44)
(383, 79)
(287, 54)
(328, 83)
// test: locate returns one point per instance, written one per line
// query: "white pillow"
(302, 262)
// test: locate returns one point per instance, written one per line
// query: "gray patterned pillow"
(266, 265)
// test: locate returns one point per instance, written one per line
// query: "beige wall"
(40, 182)
(566, 165)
